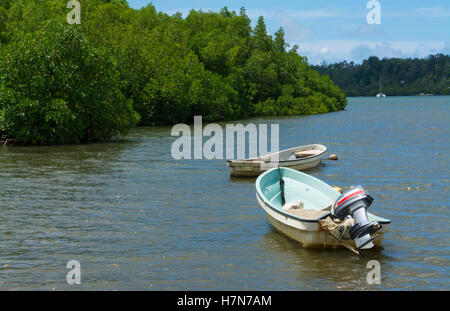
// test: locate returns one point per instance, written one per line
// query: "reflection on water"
(137, 219)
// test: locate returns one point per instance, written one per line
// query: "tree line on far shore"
(430, 75)
(121, 67)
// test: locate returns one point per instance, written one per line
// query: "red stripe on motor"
(349, 196)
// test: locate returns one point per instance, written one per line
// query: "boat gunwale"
(249, 160)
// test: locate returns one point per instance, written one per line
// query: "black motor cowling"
(354, 202)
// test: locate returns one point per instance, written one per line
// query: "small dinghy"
(317, 215)
(299, 158)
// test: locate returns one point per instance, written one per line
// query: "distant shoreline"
(387, 96)
(409, 77)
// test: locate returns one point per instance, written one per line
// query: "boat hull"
(297, 208)
(255, 167)
(250, 169)
(308, 233)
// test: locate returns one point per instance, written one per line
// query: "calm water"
(137, 219)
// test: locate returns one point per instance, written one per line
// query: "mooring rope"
(328, 225)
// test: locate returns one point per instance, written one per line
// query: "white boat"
(300, 206)
(299, 158)
(380, 94)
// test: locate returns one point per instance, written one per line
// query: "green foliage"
(5, 3)
(74, 83)
(56, 89)
(399, 76)
(3, 21)
(34, 122)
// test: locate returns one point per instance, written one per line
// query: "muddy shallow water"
(137, 219)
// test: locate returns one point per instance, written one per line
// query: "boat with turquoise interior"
(316, 214)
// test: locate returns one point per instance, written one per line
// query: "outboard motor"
(354, 203)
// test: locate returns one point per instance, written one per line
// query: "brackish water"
(137, 219)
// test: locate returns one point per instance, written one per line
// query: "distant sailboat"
(381, 94)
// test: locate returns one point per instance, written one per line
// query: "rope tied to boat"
(339, 230)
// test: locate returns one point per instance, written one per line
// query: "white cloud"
(368, 30)
(338, 50)
(324, 50)
(293, 31)
(382, 50)
(446, 49)
(431, 12)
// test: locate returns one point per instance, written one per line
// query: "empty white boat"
(298, 158)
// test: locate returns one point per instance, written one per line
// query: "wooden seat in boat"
(307, 153)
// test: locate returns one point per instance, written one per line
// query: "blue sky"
(337, 30)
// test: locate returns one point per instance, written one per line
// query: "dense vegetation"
(62, 83)
(399, 76)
